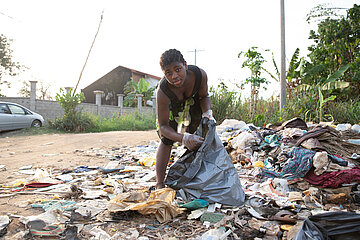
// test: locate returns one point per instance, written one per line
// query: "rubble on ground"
(299, 179)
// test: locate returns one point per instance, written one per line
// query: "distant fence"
(51, 109)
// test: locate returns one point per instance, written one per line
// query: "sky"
(52, 38)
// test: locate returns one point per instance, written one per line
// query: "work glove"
(209, 115)
(192, 141)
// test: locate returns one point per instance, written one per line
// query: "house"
(113, 83)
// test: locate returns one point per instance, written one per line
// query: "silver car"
(15, 116)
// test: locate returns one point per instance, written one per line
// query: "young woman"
(182, 99)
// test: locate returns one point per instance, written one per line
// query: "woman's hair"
(170, 56)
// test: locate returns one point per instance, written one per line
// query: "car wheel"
(36, 124)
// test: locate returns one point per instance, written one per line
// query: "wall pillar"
(98, 95)
(120, 102)
(67, 89)
(33, 95)
(139, 102)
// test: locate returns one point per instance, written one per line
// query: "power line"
(195, 51)
(6, 15)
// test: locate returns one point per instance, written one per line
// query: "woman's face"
(175, 73)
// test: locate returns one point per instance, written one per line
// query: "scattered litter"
(343, 127)
(196, 204)
(211, 217)
(215, 234)
(354, 141)
(298, 179)
(65, 177)
(26, 167)
(147, 161)
(27, 172)
(356, 128)
(195, 214)
(4, 222)
(50, 154)
(46, 144)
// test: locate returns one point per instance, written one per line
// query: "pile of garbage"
(301, 181)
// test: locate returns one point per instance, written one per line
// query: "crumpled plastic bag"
(207, 173)
(158, 203)
(320, 162)
(244, 140)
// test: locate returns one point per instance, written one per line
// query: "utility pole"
(195, 51)
(283, 67)
(82, 70)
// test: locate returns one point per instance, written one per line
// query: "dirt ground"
(57, 151)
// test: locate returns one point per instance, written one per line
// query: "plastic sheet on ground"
(158, 203)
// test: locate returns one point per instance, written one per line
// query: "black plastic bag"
(311, 231)
(330, 225)
(207, 173)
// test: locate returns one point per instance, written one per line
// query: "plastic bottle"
(343, 127)
(215, 234)
(356, 128)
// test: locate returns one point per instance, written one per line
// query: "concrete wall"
(51, 109)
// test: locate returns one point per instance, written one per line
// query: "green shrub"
(73, 119)
(78, 122)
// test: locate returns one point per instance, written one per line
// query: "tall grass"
(126, 122)
(224, 102)
(227, 105)
(345, 112)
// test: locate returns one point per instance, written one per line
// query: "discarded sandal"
(285, 216)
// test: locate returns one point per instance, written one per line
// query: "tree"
(132, 88)
(336, 43)
(293, 73)
(326, 85)
(42, 88)
(25, 89)
(254, 61)
(7, 66)
(322, 12)
(44, 91)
